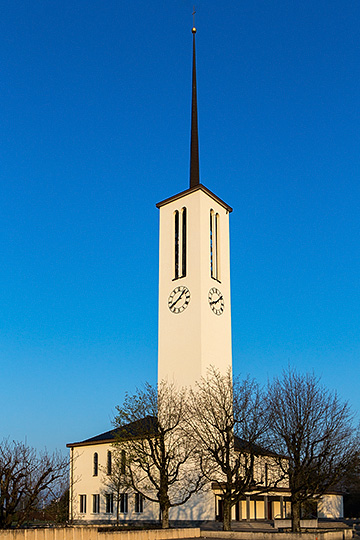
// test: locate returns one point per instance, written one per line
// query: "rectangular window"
(123, 503)
(82, 504)
(139, 503)
(180, 232)
(177, 247)
(183, 243)
(96, 504)
(214, 245)
(109, 503)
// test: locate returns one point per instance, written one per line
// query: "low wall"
(304, 523)
(339, 534)
(91, 533)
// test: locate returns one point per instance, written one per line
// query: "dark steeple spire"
(194, 145)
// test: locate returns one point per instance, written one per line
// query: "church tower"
(194, 276)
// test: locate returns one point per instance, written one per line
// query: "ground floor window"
(123, 503)
(82, 504)
(257, 508)
(139, 503)
(109, 503)
(96, 504)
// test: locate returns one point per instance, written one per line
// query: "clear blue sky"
(95, 117)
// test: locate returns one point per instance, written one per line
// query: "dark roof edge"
(90, 443)
(143, 428)
(192, 190)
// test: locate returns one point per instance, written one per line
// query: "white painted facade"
(85, 484)
(193, 340)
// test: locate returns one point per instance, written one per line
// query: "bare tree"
(315, 430)
(117, 481)
(229, 421)
(57, 509)
(28, 479)
(161, 464)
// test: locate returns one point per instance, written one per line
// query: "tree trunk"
(165, 517)
(227, 516)
(295, 507)
(117, 508)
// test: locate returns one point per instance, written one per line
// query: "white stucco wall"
(191, 341)
(84, 483)
(200, 506)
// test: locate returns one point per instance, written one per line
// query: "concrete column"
(266, 509)
(247, 508)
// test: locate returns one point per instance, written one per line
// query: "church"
(194, 303)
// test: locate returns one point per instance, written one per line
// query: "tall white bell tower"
(194, 277)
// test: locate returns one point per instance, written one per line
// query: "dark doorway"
(220, 510)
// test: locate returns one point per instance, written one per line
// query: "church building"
(194, 303)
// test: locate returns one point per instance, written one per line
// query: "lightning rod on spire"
(194, 143)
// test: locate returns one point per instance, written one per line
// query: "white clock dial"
(216, 301)
(179, 299)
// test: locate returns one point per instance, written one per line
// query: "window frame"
(139, 503)
(123, 462)
(96, 464)
(96, 503)
(82, 504)
(123, 503)
(109, 503)
(180, 243)
(109, 463)
(214, 245)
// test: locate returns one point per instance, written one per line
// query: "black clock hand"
(176, 301)
(216, 301)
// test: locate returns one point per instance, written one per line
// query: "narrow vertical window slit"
(183, 251)
(96, 464)
(217, 262)
(180, 237)
(211, 245)
(176, 252)
(214, 245)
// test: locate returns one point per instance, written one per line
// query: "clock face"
(216, 301)
(179, 299)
